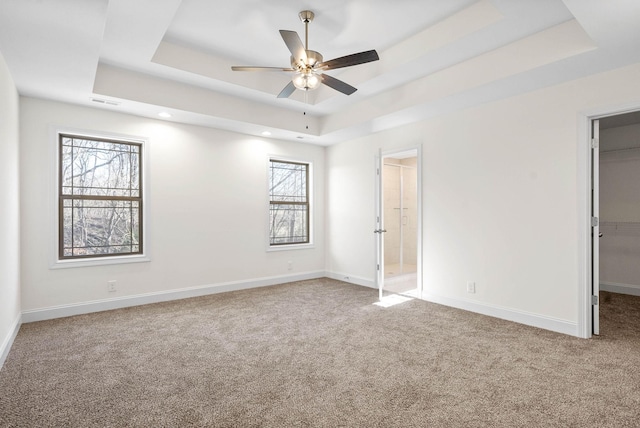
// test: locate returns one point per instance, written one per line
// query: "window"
(288, 203)
(100, 197)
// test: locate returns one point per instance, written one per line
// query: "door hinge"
(594, 300)
(594, 221)
(378, 267)
(595, 143)
(377, 171)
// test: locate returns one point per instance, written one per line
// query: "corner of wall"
(345, 277)
(10, 304)
(5, 347)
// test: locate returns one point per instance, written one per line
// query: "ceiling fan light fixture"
(308, 66)
(306, 81)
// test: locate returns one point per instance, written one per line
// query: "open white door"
(379, 230)
(595, 226)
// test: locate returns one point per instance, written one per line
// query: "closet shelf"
(620, 226)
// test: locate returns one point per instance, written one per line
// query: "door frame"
(595, 226)
(585, 230)
(379, 217)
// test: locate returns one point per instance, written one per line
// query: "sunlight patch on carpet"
(392, 300)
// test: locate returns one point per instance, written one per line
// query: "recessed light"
(266, 133)
(164, 114)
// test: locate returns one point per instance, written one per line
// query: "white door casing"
(595, 226)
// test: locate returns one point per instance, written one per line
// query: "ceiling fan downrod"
(306, 16)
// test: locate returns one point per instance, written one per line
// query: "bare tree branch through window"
(289, 202)
(100, 197)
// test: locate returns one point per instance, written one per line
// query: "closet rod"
(400, 165)
(619, 150)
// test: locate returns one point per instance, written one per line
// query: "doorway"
(615, 210)
(398, 219)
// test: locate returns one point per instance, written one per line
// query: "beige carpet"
(319, 353)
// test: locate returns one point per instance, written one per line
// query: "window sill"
(289, 247)
(100, 261)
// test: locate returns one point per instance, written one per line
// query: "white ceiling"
(147, 56)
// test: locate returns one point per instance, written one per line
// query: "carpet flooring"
(319, 353)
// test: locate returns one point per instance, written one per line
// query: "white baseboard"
(160, 296)
(534, 320)
(530, 319)
(351, 279)
(8, 340)
(615, 287)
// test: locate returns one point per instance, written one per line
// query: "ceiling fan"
(309, 66)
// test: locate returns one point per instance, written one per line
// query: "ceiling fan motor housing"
(313, 58)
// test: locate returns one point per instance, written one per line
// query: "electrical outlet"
(289, 265)
(111, 286)
(471, 287)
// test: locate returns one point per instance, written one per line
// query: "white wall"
(206, 209)
(9, 212)
(501, 201)
(500, 196)
(620, 209)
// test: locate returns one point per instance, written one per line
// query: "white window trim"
(289, 247)
(54, 156)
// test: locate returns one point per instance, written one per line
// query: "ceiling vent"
(107, 102)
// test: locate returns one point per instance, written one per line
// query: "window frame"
(57, 258)
(309, 204)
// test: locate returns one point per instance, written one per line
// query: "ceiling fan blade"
(349, 60)
(287, 91)
(293, 42)
(337, 84)
(252, 68)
